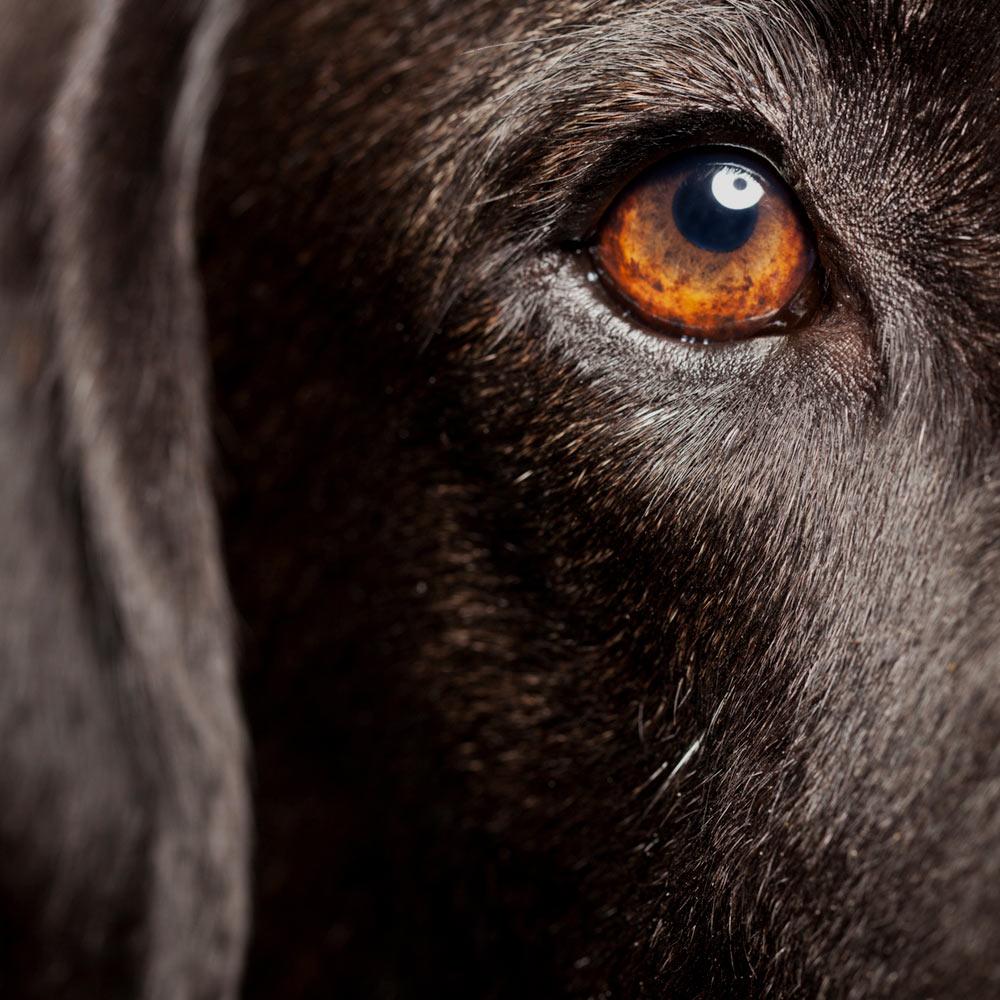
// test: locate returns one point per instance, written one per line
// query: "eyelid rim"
(642, 143)
(805, 307)
(628, 156)
(722, 150)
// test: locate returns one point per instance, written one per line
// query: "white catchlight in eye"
(735, 189)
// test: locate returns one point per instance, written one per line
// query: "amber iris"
(711, 246)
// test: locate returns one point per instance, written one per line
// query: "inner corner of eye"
(710, 245)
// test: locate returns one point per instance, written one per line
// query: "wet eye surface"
(710, 245)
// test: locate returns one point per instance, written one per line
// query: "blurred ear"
(123, 152)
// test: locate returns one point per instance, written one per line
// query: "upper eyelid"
(628, 155)
(584, 203)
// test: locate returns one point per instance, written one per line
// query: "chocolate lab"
(575, 425)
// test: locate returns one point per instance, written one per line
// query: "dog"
(551, 654)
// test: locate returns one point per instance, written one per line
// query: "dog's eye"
(710, 245)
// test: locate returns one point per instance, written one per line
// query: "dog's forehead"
(920, 72)
(907, 84)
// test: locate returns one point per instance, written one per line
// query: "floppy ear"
(124, 793)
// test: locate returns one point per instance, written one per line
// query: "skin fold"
(574, 660)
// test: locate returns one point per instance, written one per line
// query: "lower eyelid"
(573, 286)
(834, 358)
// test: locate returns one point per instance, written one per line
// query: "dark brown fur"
(577, 662)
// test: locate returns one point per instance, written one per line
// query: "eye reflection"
(711, 245)
(716, 209)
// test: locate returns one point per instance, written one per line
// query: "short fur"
(577, 662)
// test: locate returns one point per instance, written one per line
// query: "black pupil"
(704, 221)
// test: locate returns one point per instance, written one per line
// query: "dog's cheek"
(645, 538)
(540, 534)
(551, 551)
